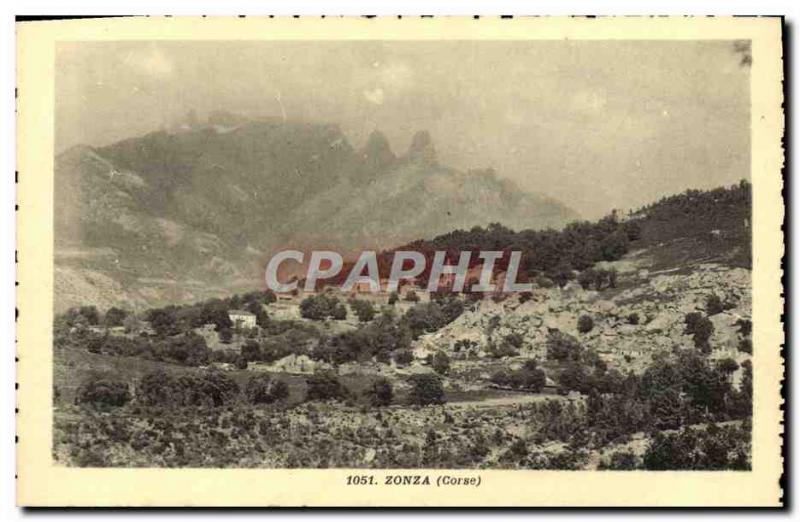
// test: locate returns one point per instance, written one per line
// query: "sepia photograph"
(410, 255)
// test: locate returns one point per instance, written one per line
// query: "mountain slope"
(188, 214)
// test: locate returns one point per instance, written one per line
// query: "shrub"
(225, 335)
(380, 393)
(412, 297)
(503, 349)
(322, 306)
(514, 339)
(441, 362)
(339, 312)
(713, 305)
(403, 357)
(633, 318)
(323, 386)
(393, 298)
(251, 351)
(620, 460)
(702, 333)
(209, 388)
(745, 327)
(426, 389)
(561, 346)
(585, 324)
(746, 346)
(115, 316)
(103, 392)
(363, 309)
(524, 297)
(261, 389)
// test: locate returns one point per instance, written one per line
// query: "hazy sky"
(597, 125)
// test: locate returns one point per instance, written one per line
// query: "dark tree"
(440, 363)
(225, 335)
(426, 389)
(251, 351)
(103, 393)
(324, 386)
(403, 357)
(585, 324)
(380, 393)
(115, 316)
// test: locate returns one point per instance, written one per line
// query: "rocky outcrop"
(629, 327)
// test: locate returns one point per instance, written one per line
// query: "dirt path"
(511, 400)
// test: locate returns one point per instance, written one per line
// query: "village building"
(242, 318)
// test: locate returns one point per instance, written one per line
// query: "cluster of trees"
(176, 319)
(324, 386)
(385, 338)
(713, 448)
(675, 390)
(549, 253)
(205, 388)
(188, 349)
(292, 338)
(530, 377)
(263, 389)
(432, 316)
(698, 212)
(323, 306)
(380, 339)
(364, 310)
(701, 329)
(165, 389)
(598, 278)
(102, 392)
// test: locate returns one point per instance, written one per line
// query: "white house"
(242, 318)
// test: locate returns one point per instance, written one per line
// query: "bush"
(426, 389)
(633, 318)
(393, 298)
(621, 461)
(115, 316)
(251, 351)
(713, 305)
(225, 335)
(403, 357)
(324, 386)
(441, 362)
(209, 388)
(261, 389)
(701, 329)
(524, 297)
(363, 309)
(585, 324)
(321, 306)
(746, 346)
(339, 312)
(561, 346)
(380, 393)
(514, 339)
(412, 297)
(501, 350)
(103, 392)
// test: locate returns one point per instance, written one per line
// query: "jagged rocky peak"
(422, 149)
(377, 152)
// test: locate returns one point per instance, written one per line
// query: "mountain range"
(195, 211)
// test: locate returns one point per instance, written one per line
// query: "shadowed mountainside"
(181, 215)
